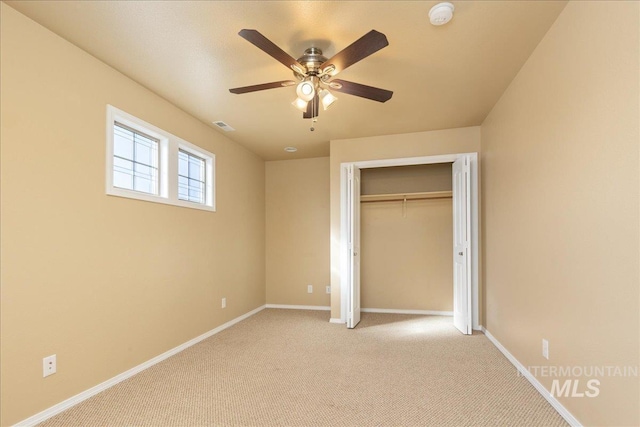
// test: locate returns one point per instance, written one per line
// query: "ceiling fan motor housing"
(311, 60)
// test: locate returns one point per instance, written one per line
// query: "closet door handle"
(460, 253)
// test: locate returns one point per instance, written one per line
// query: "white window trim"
(168, 148)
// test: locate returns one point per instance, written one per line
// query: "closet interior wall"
(407, 246)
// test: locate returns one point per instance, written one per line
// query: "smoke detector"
(441, 13)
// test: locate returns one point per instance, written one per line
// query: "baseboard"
(338, 320)
(564, 413)
(398, 311)
(72, 401)
(300, 307)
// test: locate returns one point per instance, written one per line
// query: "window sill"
(119, 192)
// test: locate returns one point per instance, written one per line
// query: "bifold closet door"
(353, 308)
(461, 246)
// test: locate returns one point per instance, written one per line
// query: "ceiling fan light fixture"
(326, 98)
(313, 72)
(306, 91)
(300, 104)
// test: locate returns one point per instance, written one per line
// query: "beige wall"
(560, 185)
(106, 283)
(406, 261)
(462, 140)
(297, 234)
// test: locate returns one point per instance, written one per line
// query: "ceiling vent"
(225, 127)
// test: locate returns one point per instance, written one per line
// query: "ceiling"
(189, 53)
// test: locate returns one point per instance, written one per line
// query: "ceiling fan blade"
(312, 108)
(264, 86)
(366, 45)
(363, 91)
(261, 42)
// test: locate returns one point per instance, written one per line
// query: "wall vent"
(225, 127)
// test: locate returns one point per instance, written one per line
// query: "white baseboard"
(72, 401)
(573, 421)
(300, 307)
(338, 320)
(398, 311)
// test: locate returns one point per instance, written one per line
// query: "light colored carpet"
(294, 368)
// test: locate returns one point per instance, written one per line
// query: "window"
(135, 160)
(147, 163)
(191, 177)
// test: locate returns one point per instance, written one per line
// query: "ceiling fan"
(315, 72)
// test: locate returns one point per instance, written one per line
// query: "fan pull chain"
(314, 118)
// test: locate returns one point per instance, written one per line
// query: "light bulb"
(300, 104)
(306, 91)
(327, 98)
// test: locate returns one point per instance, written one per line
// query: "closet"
(406, 237)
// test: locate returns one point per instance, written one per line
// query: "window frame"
(134, 160)
(168, 147)
(191, 155)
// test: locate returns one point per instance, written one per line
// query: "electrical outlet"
(224, 303)
(309, 289)
(328, 289)
(545, 349)
(49, 365)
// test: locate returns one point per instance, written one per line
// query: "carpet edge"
(555, 403)
(82, 396)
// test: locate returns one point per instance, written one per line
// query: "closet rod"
(369, 198)
(402, 200)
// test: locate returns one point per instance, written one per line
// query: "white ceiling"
(189, 53)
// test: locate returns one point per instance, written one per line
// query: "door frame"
(409, 161)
